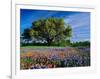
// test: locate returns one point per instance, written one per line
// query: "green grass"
(39, 46)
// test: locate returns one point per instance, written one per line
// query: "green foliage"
(84, 43)
(64, 43)
(26, 34)
(52, 30)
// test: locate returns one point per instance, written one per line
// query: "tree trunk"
(49, 41)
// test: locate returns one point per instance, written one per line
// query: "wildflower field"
(54, 57)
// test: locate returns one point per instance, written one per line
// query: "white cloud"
(78, 20)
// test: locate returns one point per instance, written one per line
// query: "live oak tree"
(51, 30)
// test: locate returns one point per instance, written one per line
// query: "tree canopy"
(52, 30)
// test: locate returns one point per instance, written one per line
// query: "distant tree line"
(81, 44)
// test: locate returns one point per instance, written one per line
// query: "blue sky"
(79, 21)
